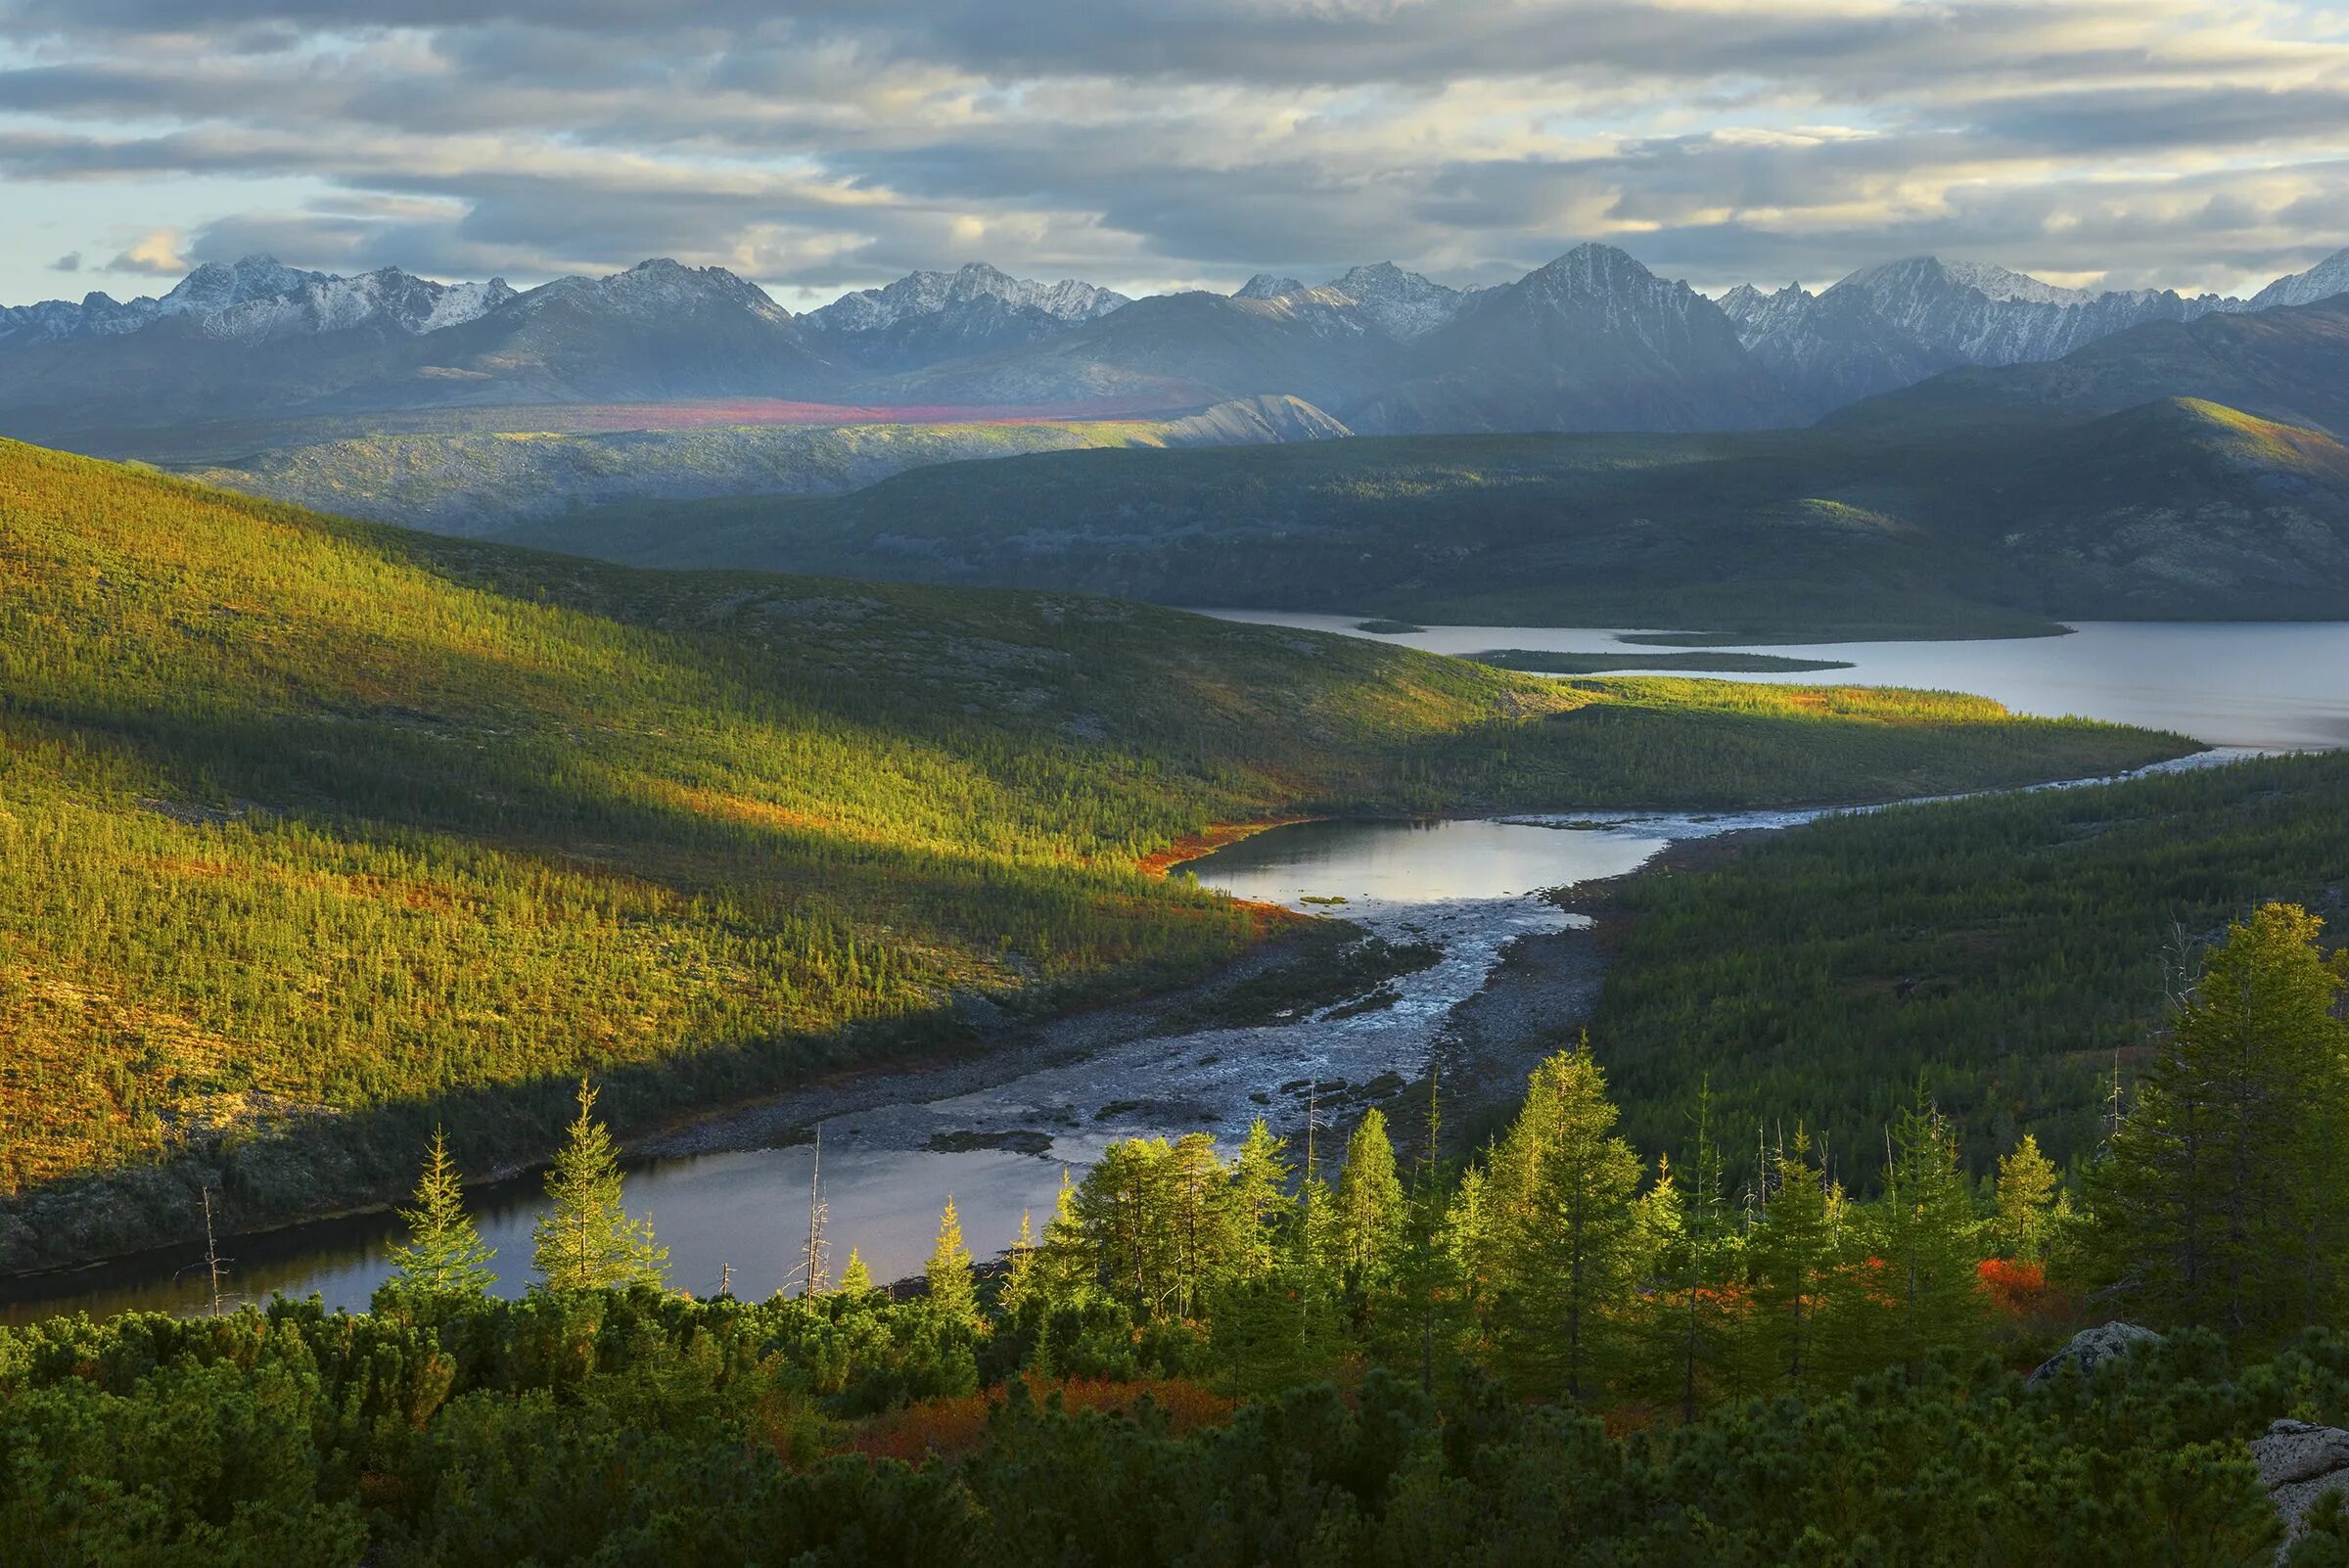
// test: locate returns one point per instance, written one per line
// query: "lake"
(2270, 685)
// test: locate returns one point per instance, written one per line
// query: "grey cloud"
(826, 141)
(71, 262)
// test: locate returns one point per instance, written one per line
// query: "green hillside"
(2005, 953)
(2166, 511)
(313, 833)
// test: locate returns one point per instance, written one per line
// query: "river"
(998, 1135)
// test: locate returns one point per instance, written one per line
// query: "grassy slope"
(483, 483)
(325, 831)
(2166, 511)
(2000, 951)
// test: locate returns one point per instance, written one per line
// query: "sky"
(823, 144)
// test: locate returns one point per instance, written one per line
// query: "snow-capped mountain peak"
(660, 287)
(1402, 304)
(218, 286)
(1267, 286)
(931, 294)
(2322, 281)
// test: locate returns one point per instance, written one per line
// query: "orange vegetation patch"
(1192, 846)
(953, 1428)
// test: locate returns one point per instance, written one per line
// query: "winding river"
(730, 1198)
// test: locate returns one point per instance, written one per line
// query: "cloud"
(71, 262)
(158, 253)
(823, 144)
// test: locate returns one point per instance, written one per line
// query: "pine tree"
(1370, 1204)
(586, 1241)
(1569, 1250)
(2030, 1201)
(2215, 1203)
(444, 1256)
(953, 1294)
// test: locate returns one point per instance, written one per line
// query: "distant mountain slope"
(1591, 342)
(258, 299)
(485, 484)
(929, 316)
(2286, 364)
(2174, 509)
(1890, 326)
(657, 330)
(1171, 352)
(2327, 278)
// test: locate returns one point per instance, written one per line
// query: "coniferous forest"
(345, 864)
(1558, 1350)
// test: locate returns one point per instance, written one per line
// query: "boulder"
(2092, 1346)
(2298, 1463)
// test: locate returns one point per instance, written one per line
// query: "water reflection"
(1428, 861)
(2275, 685)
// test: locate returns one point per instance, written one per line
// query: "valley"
(1518, 784)
(704, 834)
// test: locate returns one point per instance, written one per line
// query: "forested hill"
(2175, 509)
(313, 833)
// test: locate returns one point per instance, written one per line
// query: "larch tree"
(1370, 1203)
(1692, 1249)
(444, 1256)
(1793, 1251)
(952, 1293)
(1569, 1250)
(586, 1240)
(1925, 1242)
(1260, 1201)
(856, 1278)
(1019, 1267)
(2028, 1195)
(2216, 1202)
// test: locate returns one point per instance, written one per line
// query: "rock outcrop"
(2298, 1463)
(2092, 1346)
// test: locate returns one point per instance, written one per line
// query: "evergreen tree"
(2216, 1203)
(1370, 1204)
(1569, 1252)
(1200, 1220)
(444, 1256)
(952, 1293)
(1925, 1242)
(2030, 1201)
(1065, 1272)
(586, 1241)
(1261, 1202)
(1793, 1251)
(1691, 1245)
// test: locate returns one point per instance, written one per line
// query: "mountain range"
(1593, 340)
